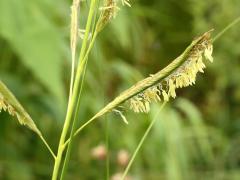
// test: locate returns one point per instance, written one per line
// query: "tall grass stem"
(74, 98)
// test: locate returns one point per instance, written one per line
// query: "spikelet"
(183, 76)
(10, 104)
(109, 11)
(74, 25)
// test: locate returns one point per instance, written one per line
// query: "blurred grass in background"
(197, 136)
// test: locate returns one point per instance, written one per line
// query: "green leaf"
(36, 40)
(9, 103)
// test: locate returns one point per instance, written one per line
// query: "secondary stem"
(141, 142)
(73, 100)
(67, 156)
(237, 20)
(48, 147)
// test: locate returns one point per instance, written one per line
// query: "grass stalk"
(234, 22)
(142, 141)
(74, 98)
(48, 147)
(84, 62)
(107, 147)
(67, 157)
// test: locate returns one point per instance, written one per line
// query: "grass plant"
(159, 87)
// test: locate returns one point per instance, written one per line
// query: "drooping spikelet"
(109, 11)
(181, 72)
(10, 104)
(183, 76)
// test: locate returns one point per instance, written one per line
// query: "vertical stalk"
(73, 100)
(69, 147)
(83, 62)
(141, 142)
(107, 147)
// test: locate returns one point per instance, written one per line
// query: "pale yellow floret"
(200, 65)
(165, 95)
(208, 53)
(137, 105)
(152, 94)
(147, 106)
(171, 91)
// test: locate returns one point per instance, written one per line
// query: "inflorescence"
(109, 11)
(183, 76)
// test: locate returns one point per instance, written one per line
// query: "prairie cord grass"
(159, 87)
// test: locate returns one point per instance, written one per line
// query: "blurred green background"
(197, 135)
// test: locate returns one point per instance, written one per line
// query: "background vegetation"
(197, 135)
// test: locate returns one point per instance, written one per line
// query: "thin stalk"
(81, 65)
(107, 147)
(79, 130)
(237, 20)
(70, 110)
(67, 157)
(141, 142)
(85, 61)
(48, 147)
(92, 119)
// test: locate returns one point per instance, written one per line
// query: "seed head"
(183, 76)
(109, 11)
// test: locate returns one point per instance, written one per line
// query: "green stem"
(48, 147)
(83, 63)
(141, 142)
(67, 157)
(226, 29)
(79, 130)
(107, 147)
(73, 101)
